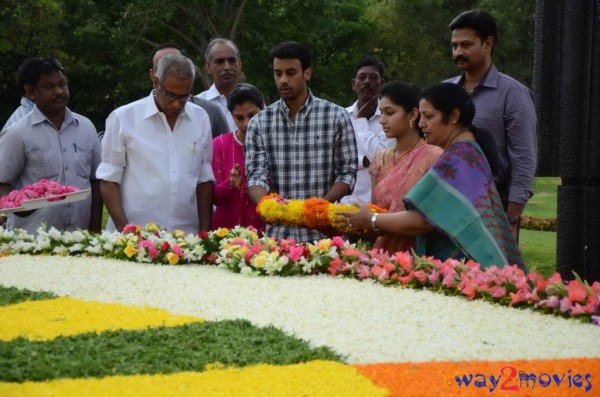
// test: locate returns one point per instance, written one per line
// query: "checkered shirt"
(300, 159)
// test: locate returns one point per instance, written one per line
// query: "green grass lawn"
(539, 248)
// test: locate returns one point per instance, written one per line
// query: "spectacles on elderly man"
(169, 96)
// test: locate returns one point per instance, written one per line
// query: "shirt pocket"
(82, 160)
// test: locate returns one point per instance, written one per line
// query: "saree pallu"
(458, 197)
(391, 183)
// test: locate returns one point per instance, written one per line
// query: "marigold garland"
(314, 213)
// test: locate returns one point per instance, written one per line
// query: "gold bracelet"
(3, 214)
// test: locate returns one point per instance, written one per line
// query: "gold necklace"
(395, 147)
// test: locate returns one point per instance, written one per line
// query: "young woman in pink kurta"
(229, 195)
(396, 170)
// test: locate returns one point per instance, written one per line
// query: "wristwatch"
(513, 220)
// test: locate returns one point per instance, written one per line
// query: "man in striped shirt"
(301, 146)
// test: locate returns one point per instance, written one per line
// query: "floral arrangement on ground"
(82, 325)
(241, 250)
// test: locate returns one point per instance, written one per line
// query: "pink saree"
(391, 183)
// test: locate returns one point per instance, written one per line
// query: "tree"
(29, 28)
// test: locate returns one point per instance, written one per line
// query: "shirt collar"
(26, 103)
(489, 79)
(212, 93)
(38, 117)
(353, 110)
(307, 105)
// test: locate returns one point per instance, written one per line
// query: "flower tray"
(49, 201)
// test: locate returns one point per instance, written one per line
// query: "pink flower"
(129, 228)
(449, 280)
(552, 302)
(177, 250)
(565, 304)
(335, 266)
(499, 293)
(404, 259)
(295, 253)
(337, 241)
(519, 297)
(577, 292)
(364, 271)
(421, 276)
(434, 277)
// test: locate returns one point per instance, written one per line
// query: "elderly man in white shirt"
(156, 156)
(224, 65)
(365, 115)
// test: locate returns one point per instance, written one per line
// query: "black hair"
(292, 50)
(162, 47)
(31, 71)
(403, 94)
(446, 97)
(370, 61)
(481, 22)
(243, 93)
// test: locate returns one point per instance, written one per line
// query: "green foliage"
(12, 295)
(413, 39)
(156, 350)
(105, 45)
(539, 251)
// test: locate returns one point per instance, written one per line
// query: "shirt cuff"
(109, 172)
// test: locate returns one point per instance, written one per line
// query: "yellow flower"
(130, 250)
(179, 233)
(260, 260)
(121, 241)
(324, 244)
(132, 240)
(222, 232)
(151, 227)
(172, 258)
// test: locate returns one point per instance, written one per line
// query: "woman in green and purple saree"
(454, 210)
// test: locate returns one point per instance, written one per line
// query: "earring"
(411, 124)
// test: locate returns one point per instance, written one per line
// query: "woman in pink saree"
(229, 195)
(396, 170)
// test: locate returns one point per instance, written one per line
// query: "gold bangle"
(3, 214)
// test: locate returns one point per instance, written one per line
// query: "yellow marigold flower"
(151, 227)
(172, 258)
(324, 244)
(222, 232)
(130, 250)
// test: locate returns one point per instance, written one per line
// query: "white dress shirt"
(157, 169)
(370, 139)
(212, 94)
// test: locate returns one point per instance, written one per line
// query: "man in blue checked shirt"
(301, 146)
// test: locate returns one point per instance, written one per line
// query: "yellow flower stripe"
(315, 378)
(48, 319)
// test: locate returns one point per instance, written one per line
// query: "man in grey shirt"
(505, 116)
(55, 144)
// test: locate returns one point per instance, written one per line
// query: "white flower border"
(365, 322)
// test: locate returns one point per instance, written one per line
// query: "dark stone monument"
(566, 83)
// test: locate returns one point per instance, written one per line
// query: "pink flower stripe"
(38, 190)
(241, 250)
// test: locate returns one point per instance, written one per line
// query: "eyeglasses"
(169, 96)
(363, 77)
